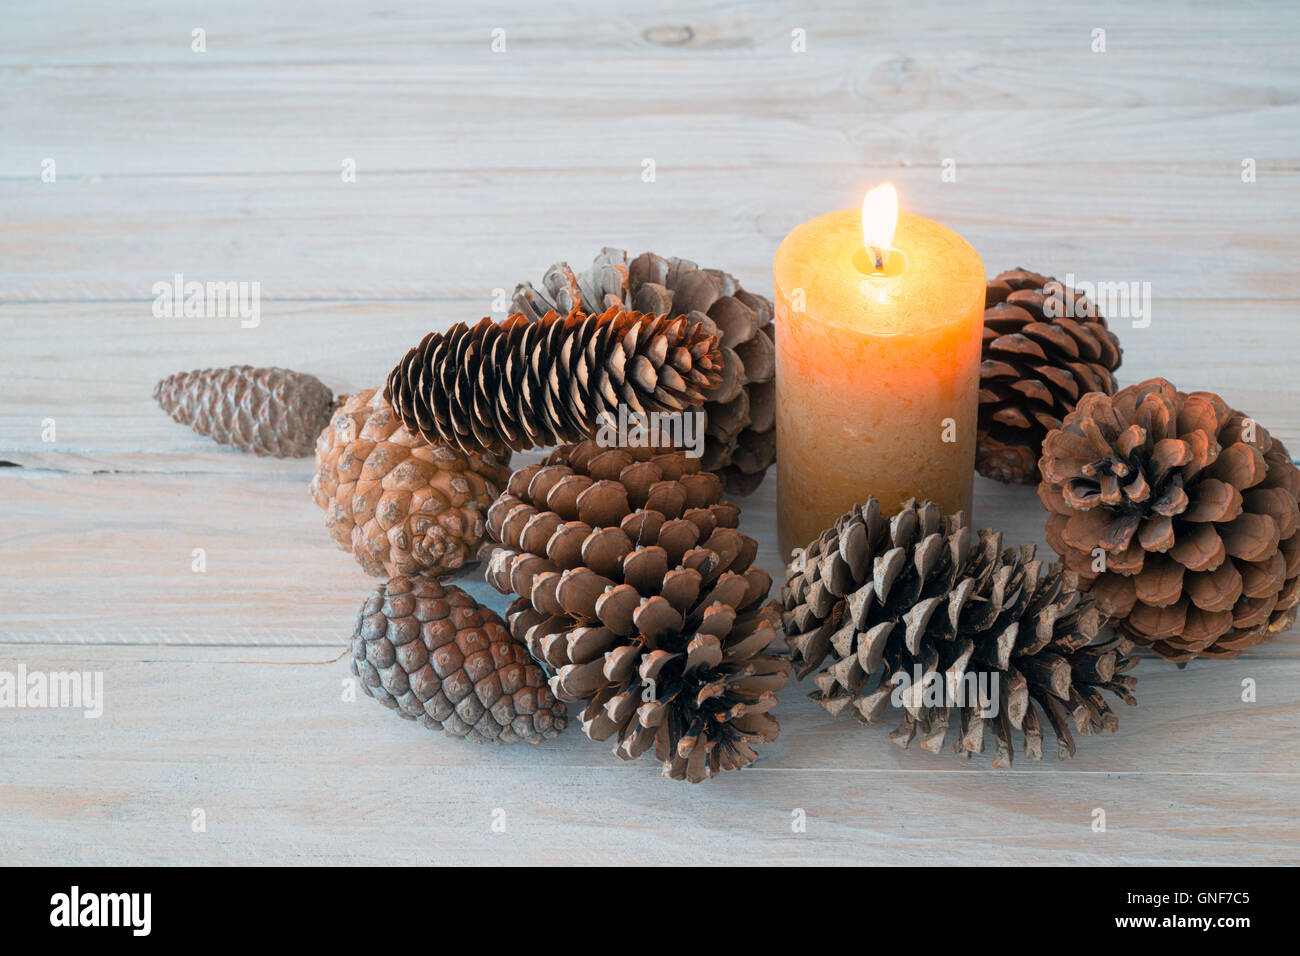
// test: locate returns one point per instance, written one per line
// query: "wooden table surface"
(474, 170)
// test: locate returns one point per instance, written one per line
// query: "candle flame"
(879, 218)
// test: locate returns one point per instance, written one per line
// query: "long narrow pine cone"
(740, 436)
(521, 384)
(433, 654)
(639, 595)
(1045, 346)
(398, 503)
(267, 411)
(966, 636)
(1181, 514)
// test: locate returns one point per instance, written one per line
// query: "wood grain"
(476, 170)
(286, 771)
(1192, 231)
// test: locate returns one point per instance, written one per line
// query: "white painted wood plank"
(417, 87)
(109, 559)
(475, 171)
(84, 32)
(286, 772)
(1192, 231)
(474, 113)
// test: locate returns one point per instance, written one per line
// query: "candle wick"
(877, 256)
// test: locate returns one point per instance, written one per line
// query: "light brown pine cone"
(399, 504)
(1181, 514)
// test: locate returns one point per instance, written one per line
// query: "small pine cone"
(1045, 346)
(637, 593)
(266, 411)
(911, 600)
(399, 504)
(1193, 507)
(740, 435)
(433, 654)
(522, 384)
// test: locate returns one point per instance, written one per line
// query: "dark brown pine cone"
(740, 440)
(267, 411)
(1045, 346)
(1181, 514)
(432, 653)
(522, 384)
(637, 592)
(904, 602)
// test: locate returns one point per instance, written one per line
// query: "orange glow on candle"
(877, 365)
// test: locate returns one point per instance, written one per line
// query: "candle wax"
(877, 376)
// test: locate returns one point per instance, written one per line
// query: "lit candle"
(878, 325)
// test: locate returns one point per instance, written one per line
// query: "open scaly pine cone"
(638, 593)
(1045, 346)
(1180, 514)
(521, 384)
(884, 598)
(740, 410)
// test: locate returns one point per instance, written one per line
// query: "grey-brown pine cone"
(1045, 347)
(266, 411)
(639, 595)
(523, 384)
(435, 655)
(908, 596)
(740, 440)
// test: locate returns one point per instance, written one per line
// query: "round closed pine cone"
(435, 655)
(1045, 346)
(1181, 514)
(398, 503)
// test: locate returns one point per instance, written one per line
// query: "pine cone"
(740, 440)
(1193, 507)
(399, 504)
(521, 384)
(433, 654)
(637, 592)
(910, 599)
(1045, 345)
(266, 411)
